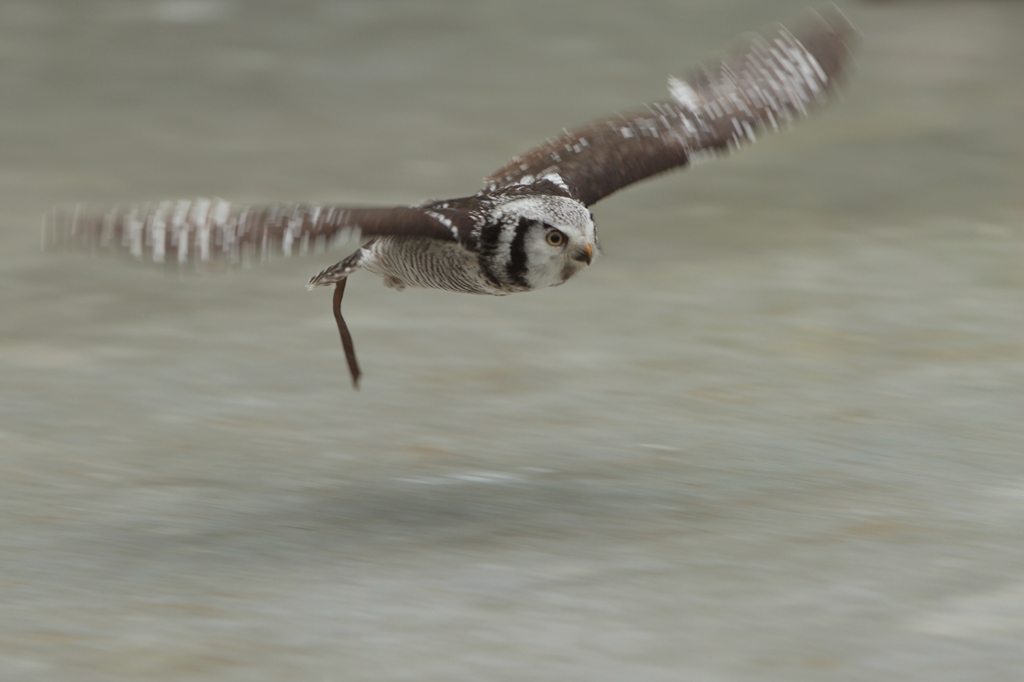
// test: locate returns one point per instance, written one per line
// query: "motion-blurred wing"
(213, 233)
(770, 82)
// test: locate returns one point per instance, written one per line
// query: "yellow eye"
(555, 238)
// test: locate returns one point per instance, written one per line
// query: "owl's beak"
(586, 255)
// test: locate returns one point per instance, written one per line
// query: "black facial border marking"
(516, 267)
(488, 245)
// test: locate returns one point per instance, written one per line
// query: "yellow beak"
(586, 255)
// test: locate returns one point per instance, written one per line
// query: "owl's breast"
(428, 263)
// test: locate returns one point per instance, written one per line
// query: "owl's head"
(544, 240)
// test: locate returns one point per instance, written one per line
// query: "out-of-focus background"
(775, 433)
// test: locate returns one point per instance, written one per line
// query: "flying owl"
(530, 226)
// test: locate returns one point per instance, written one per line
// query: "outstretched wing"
(769, 82)
(214, 233)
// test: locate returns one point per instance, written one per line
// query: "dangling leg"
(346, 338)
(337, 275)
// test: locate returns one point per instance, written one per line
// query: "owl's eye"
(555, 238)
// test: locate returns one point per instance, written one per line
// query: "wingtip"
(835, 17)
(841, 26)
(836, 21)
(841, 42)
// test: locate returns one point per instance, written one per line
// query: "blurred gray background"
(773, 434)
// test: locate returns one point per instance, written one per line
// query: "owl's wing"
(769, 82)
(211, 234)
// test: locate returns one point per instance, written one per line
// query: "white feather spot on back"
(556, 179)
(683, 93)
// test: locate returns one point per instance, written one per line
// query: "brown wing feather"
(214, 233)
(770, 81)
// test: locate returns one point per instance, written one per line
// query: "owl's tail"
(338, 272)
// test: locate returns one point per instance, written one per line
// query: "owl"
(530, 225)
